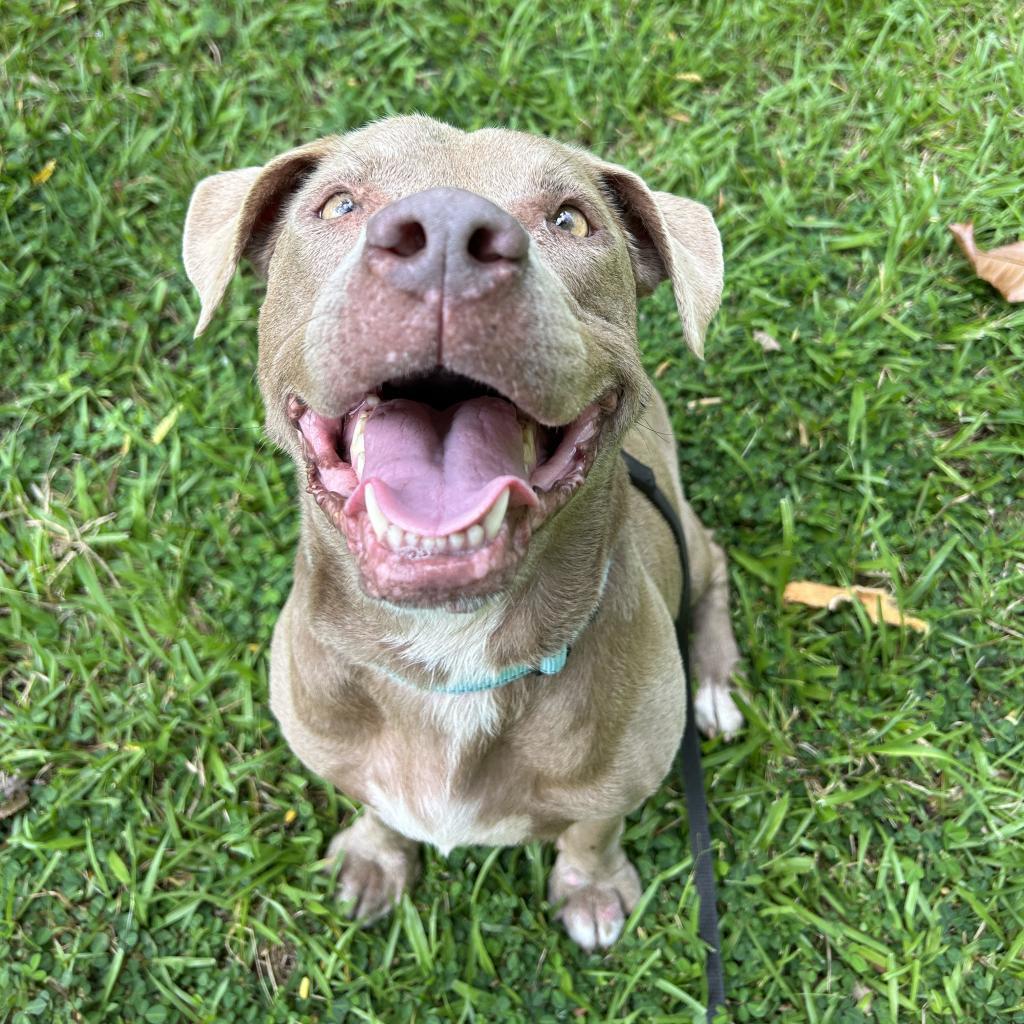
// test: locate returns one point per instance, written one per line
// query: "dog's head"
(448, 341)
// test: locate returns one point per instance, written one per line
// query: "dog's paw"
(374, 871)
(593, 912)
(716, 711)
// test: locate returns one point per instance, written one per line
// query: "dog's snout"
(446, 241)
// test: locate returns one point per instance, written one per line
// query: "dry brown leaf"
(700, 403)
(681, 118)
(661, 368)
(1003, 268)
(689, 76)
(822, 595)
(767, 342)
(43, 175)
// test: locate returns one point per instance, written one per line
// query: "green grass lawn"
(870, 820)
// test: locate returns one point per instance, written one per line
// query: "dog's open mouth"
(438, 483)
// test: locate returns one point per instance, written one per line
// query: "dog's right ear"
(236, 214)
(670, 237)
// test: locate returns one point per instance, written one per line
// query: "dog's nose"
(445, 240)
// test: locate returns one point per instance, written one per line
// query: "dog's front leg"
(715, 654)
(379, 865)
(592, 883)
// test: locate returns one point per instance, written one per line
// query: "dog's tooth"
(475, 535)
(377, 519)
(529, 447)
(358, 443)
(457, 541)
(371, 402)
(394, 536)
(496, 515)
(428, 544)
(360, 460)
(413, 540)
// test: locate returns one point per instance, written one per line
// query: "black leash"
(642, 478)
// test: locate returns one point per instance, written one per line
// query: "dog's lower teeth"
(398, 539)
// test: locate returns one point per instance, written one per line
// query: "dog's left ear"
(670, 237)
(238, 213)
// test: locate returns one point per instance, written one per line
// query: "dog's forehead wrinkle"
(400, 156)
(345, 169)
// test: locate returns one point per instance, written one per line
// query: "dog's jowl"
(478, 644)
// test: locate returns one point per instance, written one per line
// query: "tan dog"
(448, 351)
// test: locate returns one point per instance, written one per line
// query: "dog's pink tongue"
(437, 472)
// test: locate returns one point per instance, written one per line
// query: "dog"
(478, 644)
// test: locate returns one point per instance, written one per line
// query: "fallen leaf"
(767, 342)
(822, 595)
(45, 173)
(13, 794)
(801, 429)
(681, 118)
(689, 76)
(1003, 268)
(662, 367)
(699, 403)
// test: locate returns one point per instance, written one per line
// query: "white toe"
(579, 924)
(609, 924)
(717, 711)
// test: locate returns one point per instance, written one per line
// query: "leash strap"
(642, 478)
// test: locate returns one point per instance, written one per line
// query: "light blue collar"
(549, 666)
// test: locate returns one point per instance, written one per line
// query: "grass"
(869, 821)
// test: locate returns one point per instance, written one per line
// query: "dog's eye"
(337, 206)
(568, 218)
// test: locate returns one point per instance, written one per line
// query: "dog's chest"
(425, 792)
